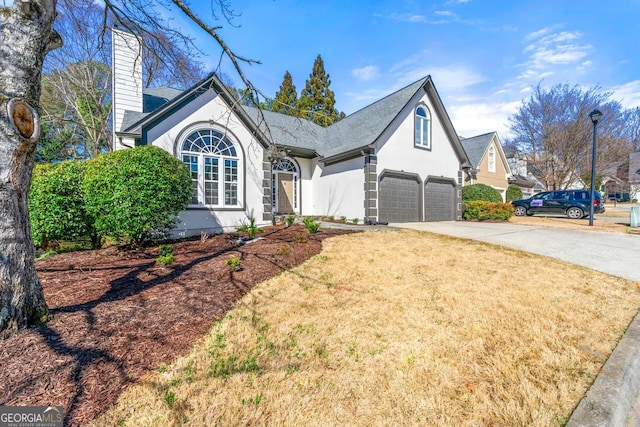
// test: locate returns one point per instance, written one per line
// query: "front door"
(285, 193)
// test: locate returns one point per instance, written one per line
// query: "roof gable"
(148, 120)
(365, 126)
(476, 148)
(299, 136)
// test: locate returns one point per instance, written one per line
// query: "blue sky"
(484, 56)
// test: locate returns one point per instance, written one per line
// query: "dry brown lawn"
(616, 221)
(397, 328)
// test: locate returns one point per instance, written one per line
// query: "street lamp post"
(595, 116)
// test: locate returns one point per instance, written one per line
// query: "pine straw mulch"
(117, 314)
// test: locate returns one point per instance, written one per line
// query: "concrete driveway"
(613, 253)
(614, 398)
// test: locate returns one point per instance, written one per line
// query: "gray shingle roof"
(129, 119)
(365, 126)
(155, 97)
(355, 131)
(476, 146)
(287, 130)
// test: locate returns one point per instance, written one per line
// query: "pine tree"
(317, 101)
(286, 99)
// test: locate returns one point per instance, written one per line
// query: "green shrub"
(234, 263)
(343, 219)
(311, 225)
(165, 259)
(355, 220)
(134, 195)
(166, 255)
(483, 210)
(250, 227)
(290, 220)
(56, 204)
(474, 192)
(514, 193)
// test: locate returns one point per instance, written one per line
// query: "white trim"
(220, 161)
(491, 159)
(419, 142)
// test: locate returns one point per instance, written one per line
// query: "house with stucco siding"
(396, 160)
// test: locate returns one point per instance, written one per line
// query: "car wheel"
(520, 211)
(575, 213)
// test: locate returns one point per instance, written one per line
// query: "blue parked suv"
(572, 203)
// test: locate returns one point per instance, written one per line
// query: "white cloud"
(408, 17)
(445, 13)
(548, 50)
(628, 94)
(473, 119)
(538, 34)
(369, 72)
(455, 78)
(452, 78)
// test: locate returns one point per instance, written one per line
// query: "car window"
(560, 195)
(543, 196)
(582, 195)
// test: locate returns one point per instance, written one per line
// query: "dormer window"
(423, 127)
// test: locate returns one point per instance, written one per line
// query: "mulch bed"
(118, 314)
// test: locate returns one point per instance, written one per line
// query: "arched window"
(215, 165)
(492, 159)
(423, 127)
(285, 179)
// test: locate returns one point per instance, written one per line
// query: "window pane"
(210, 181)
(211, 193)
(192, 164)
(230, 182)
(418, 131)
(230, 194)
(425, 132)
(210, 169)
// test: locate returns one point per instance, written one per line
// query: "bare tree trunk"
(26, 35)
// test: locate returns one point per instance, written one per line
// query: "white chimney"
(127, 79)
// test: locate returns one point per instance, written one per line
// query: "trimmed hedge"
(57, 210)
(474, 192)
(130, 196)
(514, 193)
(134, 195)
(483, 210)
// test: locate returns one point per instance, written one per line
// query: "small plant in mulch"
(234, 263)
(311, 225)
(290, 220)
(355, 220)
(343, 219)
(250, 227)
(300, 238)
(166, 255)
(283, 250)
(331, 218)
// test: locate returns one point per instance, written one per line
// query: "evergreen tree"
(286, 99)
(317, 101)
